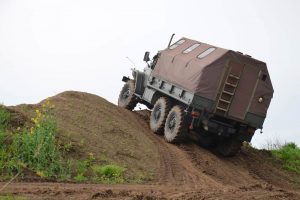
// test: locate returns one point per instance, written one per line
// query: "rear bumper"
(220, 129)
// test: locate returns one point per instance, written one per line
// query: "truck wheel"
(159, 115)
(126, 98)
(229, 146)
(175, 127)
(205, 139)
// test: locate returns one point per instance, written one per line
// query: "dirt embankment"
(185, 171)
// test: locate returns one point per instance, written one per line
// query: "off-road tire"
(205, 139)
(229, 146)
(175, 126)
(159, 115)
(126, 98)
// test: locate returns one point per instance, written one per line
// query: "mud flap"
(244, 134)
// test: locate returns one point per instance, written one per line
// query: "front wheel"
(126, 98)
(175, 126)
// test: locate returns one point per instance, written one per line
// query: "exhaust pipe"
(171, 40)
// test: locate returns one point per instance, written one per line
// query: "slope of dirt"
(185, 171)
(94, 125)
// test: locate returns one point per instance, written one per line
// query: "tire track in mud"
(190, 166)
(175, 166)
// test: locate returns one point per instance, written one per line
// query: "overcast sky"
(47, 47)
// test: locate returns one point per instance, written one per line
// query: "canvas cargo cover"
(186, 70)
(204, 75)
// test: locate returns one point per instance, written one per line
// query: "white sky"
(47, 47)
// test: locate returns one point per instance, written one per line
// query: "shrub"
(4, 118)
(109, 173)
(2, 139)
(289, 154)
(80, 178)
(37, 147)
(8, 163)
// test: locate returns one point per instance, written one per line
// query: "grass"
(38, 150)
(34, 149)
(4, 118)
(80, 178)
(289, 154)
(109, 173)
(10, 197)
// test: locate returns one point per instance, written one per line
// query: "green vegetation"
(37, 149)
(80, 178)
(34, 149)
(12, 198)
(109, 173)
(4, 118)
(82, 168)
(289, 154)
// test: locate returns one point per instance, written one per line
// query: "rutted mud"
(186, 171)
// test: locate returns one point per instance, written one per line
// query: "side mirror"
(146, 56)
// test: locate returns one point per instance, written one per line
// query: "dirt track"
(186, 171)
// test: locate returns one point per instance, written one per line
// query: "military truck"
(220, 95)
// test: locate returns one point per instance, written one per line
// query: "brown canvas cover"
(205, 76)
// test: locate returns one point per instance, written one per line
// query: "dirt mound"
(17, 118)
(94, 125)
(184, 171)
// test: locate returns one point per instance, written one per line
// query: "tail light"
(196, 114)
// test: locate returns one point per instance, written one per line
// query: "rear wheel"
(229, 146)
(175, 127)
(159, 114)
(205, 139)
(126, 98)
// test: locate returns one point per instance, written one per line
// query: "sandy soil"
(184, 171)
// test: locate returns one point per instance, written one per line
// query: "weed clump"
(37, 148)
(289, 154)
(109, 173)
(4, 118)
(34, 149)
